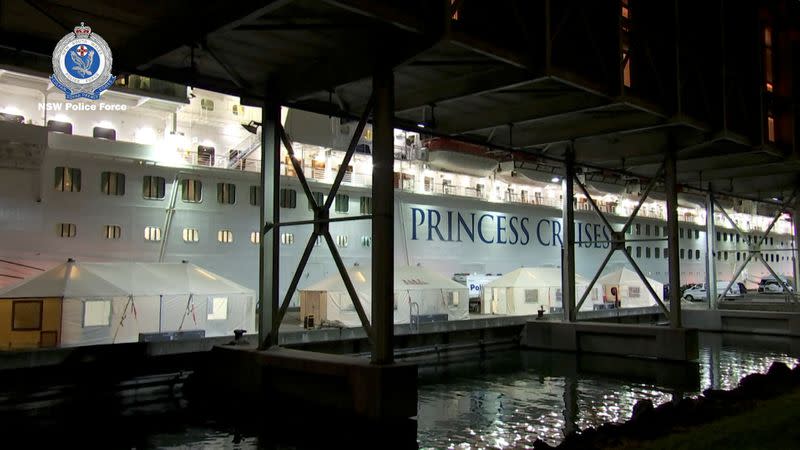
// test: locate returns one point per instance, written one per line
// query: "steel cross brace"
(755, 249)
(321, 221)
(618, 243)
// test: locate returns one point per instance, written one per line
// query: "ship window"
(112, 183)
(112, 231)
(638, 252)
(59, 126)
(341, 240)
(226, 193)
(68, 179)
(738, 256)
(66, 230)
(366, 241)
(207, 104)
(638, 229)
(104, 133)
(697, 234)
(319, 199)
(718, 238)
(683, 253)
(657, 251)
(725, 255)
(647, 230)
(342, 203)
(287, 238)
(255, 237)
(771, 241)
(320, 241)
(628, 249)
(689, 256)
(647, 252)
(288, 198)
(191, 191)
(191, 235)
(366, 205)
(225, 236)
(217, 308)
(697, 254)
(634, 292)
(655, 230)
(664, 252)
(725, 237)
(681, 232)
(428, 184)
(152, 233)
(27, 315)
(153, 188)
(255, 195)
(96, 313)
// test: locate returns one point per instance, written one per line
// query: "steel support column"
(383, 214)
(671, 188)
(796, 251)
(268, 274)
(568, 246)
(711, 262)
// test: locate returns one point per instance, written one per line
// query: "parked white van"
(699, 293)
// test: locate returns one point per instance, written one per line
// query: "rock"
(780, 372)
(541, 445)
(641, 408)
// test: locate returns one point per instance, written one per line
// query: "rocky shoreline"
(649, 422)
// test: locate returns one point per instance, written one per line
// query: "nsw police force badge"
(82, 64)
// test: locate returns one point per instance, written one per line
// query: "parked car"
(773, 286)
(699, 293)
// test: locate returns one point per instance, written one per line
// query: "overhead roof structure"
(620, 82)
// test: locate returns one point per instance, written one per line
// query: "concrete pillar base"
(646, 341)
(338, 384)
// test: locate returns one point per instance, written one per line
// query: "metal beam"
(595, 278)
(730, 220)
(269, 247)
(175, 31)
(796, 252)
(711, 261)
(351, 148)
(594, 205)
(784, 285)
(645, 282)
(351, 290)
(643, 197)
(568, 243)
(735, 276)
(672, 236)
(298, 169)
(298, 272)
(383, 214)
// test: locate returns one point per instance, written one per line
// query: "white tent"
(625, 285)
(523, 291)
(114, 302)
(419, 293)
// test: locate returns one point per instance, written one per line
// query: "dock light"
(555, 179)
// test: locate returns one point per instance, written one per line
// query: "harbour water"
(504, 399)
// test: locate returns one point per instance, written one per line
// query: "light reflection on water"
(486, 409)
(508, 400)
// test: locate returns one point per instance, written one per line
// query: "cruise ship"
(161, 172)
